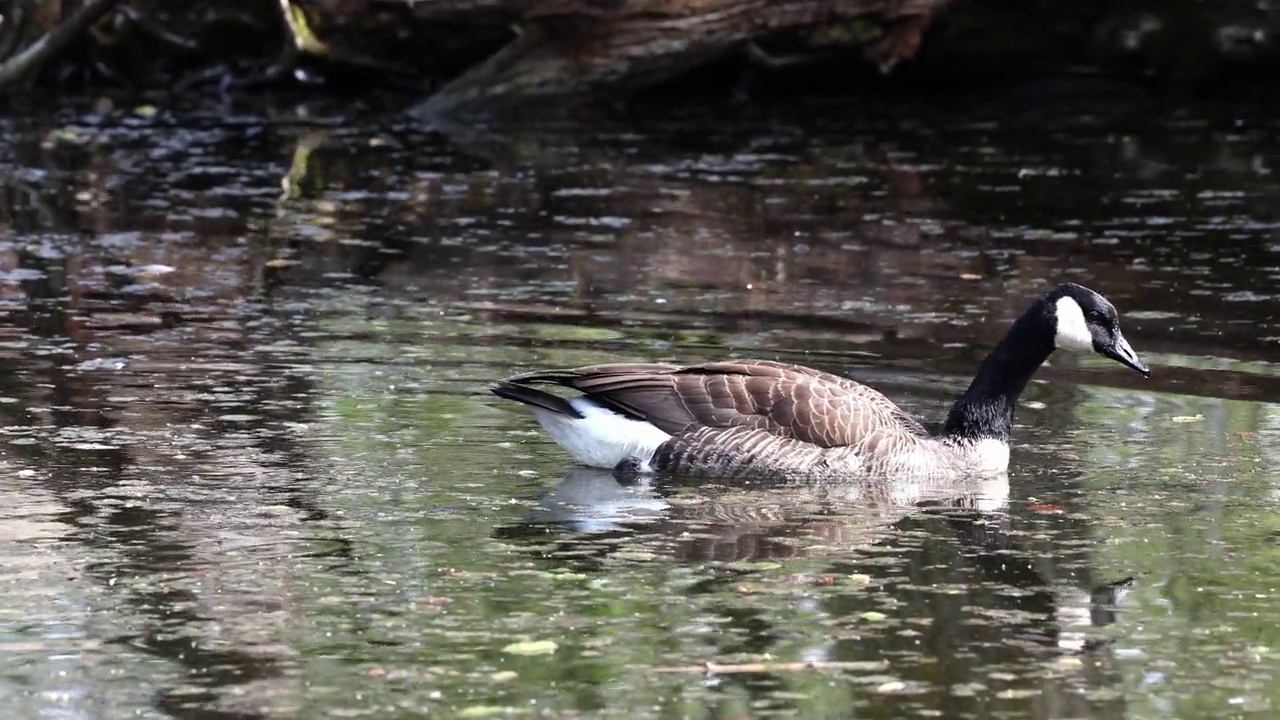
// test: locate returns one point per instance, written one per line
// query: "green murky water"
(249, 467)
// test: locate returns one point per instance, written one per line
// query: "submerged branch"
(52, 43)
(752, 668)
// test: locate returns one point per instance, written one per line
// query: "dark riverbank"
(516, 58)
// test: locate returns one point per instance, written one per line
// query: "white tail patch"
(1072, 331)
(601, 438)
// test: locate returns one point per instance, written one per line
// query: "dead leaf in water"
(531, 647)
(1018, 693)
(892, 686)
(634, 555)
(757, 566)
(432, 603)
(484, 711)
(773, 667)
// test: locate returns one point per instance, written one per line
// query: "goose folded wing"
(792, 402)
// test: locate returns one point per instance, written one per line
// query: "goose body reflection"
(593, 500)
(1032, 573)
(769, 420)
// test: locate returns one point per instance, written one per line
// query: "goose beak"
(1121, 352)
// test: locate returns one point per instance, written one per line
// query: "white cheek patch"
(1073, 333)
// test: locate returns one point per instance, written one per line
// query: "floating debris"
(531, 647)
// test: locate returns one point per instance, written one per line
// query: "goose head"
(1084, 320)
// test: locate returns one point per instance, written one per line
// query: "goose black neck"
(985, 410)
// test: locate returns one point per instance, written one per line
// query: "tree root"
(759, 57)
(302, 43)
(12, 25)
(176, 43)
(52, 43)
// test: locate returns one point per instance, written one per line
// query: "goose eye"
(1097, 317)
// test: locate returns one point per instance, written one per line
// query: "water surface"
(251, 469)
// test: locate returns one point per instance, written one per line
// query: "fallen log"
(579, 47)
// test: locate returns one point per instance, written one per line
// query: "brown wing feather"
(791, 401)
(784, 400)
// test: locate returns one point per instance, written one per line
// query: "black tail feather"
(535, 397)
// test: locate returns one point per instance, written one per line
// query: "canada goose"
(763, 419)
